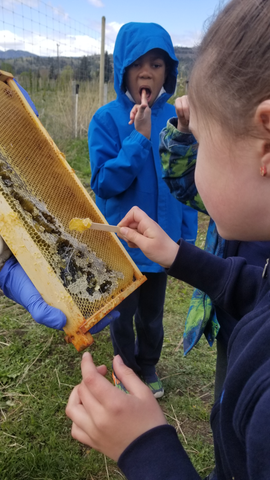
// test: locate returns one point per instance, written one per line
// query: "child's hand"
(140, 115)
(106, 418)
(140, 231)
(183, 113)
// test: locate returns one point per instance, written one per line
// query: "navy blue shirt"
(255, 253)
(240, 419)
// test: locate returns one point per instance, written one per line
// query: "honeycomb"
(85, 274)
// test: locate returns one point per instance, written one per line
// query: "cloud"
(96, 3)
(9, 5)
(28, 3)
(187, 39)
(78, 45)
(10, 41)
(69, 45)
(59, 12)
(112, 30)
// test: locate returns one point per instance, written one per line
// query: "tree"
(38, 80)
(30, 82)
(107, 68)
(84, 72)
(7, 67)
(52, 73)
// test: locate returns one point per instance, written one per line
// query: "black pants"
(140, 347)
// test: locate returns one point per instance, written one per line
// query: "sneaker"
(118, 383)
(155, 385)
(212, 475)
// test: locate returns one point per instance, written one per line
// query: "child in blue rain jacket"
(126, 171)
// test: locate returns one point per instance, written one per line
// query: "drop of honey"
(80, 224)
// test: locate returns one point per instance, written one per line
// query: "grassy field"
(38, 370)
(56, 107)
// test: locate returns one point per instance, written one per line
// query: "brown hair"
(231, 75)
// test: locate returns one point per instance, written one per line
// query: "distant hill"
(185, 53)
(22, 61)
(8, 54)
(186, 57)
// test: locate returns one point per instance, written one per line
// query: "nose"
(145, 71)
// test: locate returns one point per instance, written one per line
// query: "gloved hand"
(17, 286)
(104, 322)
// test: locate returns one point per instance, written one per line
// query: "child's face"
(227, 176)
(147, 72)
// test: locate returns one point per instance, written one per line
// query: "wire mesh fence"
(57, 60)
(63, 63)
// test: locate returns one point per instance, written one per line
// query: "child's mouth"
(147, 91)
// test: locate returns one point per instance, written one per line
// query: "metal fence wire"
(66, 66)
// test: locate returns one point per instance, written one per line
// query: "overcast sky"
(72, 27)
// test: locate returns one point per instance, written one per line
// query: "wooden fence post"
(102, 63)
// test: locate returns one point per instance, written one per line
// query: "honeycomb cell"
(45, 193)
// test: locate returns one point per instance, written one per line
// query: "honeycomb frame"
(36, 160)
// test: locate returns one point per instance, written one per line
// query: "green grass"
(77, 155)
(56, 107)
(38, 370)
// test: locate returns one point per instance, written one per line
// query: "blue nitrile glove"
(17, 286)
(104, 322)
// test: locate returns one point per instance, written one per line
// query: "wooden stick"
(105, 227)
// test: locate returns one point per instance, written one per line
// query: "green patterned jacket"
(178, 152)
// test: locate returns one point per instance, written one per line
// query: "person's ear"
(262, 122)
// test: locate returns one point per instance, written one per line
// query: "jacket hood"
(133, 41)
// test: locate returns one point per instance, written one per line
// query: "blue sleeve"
(114, 165)
(189, 224)
(27, 97)
(157, 455)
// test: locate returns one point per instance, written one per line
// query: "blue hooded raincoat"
(126, 167)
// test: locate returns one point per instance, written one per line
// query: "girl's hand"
(106, 418)
(183, 113)
(140, 115)
(140, 231)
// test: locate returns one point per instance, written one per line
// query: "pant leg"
(212, 475)
(122, 330)
(148, 322)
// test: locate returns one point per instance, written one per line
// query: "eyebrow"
(156, 57)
